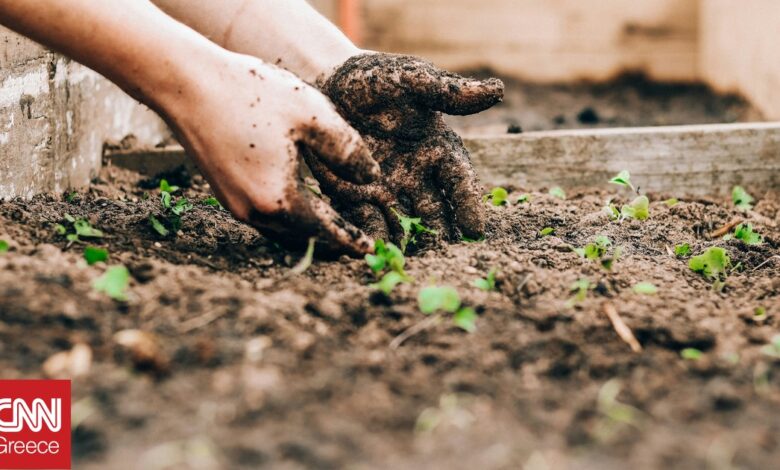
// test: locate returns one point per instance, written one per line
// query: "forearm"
(288, 32)
(134, 44)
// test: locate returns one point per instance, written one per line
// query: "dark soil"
(630, 100)
(244, 366)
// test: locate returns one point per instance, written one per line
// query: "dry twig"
(413, 330)
(621, 328)
(726, 228)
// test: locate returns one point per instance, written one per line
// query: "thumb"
(340, 147)
(454, 94)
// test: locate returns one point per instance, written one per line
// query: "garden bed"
(239, 363)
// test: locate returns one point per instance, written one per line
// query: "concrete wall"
(739, 49)
(55, 116)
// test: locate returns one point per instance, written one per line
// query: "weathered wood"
(694, 160)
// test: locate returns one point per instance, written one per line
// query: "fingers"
(371, 219)
(430, 207)
(461, 186)
(340, 147)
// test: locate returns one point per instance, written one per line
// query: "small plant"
(712, 264)
(213, 202)
(614, 415)
(645, 288)
(412, 227)
(70, 197)
(389, 282)
(167, 188)
(773, 348)
(671, 202)
(113, 283)
(498, 196)
(523, 199)
(557, 192)
(611, 210)
(489, 283)
(547, 231)
(387, 257)
(623, 179)
(760, 314)
(446, 299)
(598, 251)
(742, 200)
(79, 228)
(682, 251)
(173, 210)
(466, 239)
(94, 255)
(639, 209)
(4, 246)
(306, 261)
(691, 354)
(580, 290)
(745, 233)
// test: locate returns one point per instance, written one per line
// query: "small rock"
(144, 350)
(255, 347)
(69, 364)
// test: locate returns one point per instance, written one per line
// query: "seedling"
(167, 188)
(412, 227)
(623, 179)
(497, 196)
(4, 246)
(387, 257)
(745, 233)
(158, 226)
(580, 290)
(557, 192)
(742, 200)
(598, 250)
(213, 202)
(488, 284)
(682, 251)
(94, 255)
(759, 314)
(546, 232)
(671, 202)
(446, 299)
(523, 199)
(79, 228)
(691, 354)
(712, 264)
(466, 239)
(645, 288)
(70, 197)
(611, 210)
(305, 262)
(176, 208)
(388, 282)
(639, 209)
(773, 348)
(614, 414)
(113, 283)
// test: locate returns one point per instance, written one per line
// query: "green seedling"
(167, 188)
(113, 283)
(598, 251)
(671, 202)
(611, 210)
(691, 354)
(623, 179)
(682, 251)
(70, 197)
(412, 227)
(557, 192)
(305, 262)
(386, 256)
(94, 255)
(4, 246)
(547, 231)
(173, 210)
(742, 200)
(759, 314)
(213, 202)
(580, 290)
(466, 239)
(79, 228)
(389, 282)
(639, 209)
(488, 284)
(158, 226)
(446, 299)
(712, 264)
(614, 415)
(645, 288)
(745, 233)
(497, 196)
(523, 199)
(773, 348)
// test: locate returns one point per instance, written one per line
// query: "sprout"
(645, 288)
(488, 284)
(639, 209)
(113, 283)
(94, 255)
(446, 299)
(497, 196)
(742, 200)
(557, 192)
(623, 179)
(712, 264)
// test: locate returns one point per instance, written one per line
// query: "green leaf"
(182, 206)
(712, 264)
(158, 226)
(546, 231)
(71, 196)
(432, 299)
(84, 229)
(165, 199)
(671, 202)
(213, 202)
(376, 263)
(557, 192)
(4, 246)
(466, 319)
(639, 209)
(167, 188)
(773, 348)
(580, 289)
(747, 235)
(113, 283)
(759, 314)
(95, 255)
(497, 196)
(488, 284)
(683, 250)
(623, 179)
(466, 239)
(70, 218)
(523, 198)
(645, 288)
(691, 354)
(386, 255)
(60, 229)
(742, 200)
(388, 282)
(612, 212)
(72, 237)
(305, 262)
(412, 226)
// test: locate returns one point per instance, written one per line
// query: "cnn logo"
(35, 416)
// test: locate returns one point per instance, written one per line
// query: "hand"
(245, 123)
(396, 102)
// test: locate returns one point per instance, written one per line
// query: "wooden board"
(693, 160)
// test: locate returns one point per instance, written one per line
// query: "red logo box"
(35, 424)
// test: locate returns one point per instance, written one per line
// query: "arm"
(242, 120)
(289, 33)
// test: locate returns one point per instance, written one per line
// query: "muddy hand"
(396, 103)
(259, 120)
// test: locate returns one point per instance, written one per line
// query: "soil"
(241, 364)
(629, 100)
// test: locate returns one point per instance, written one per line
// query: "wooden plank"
(693, 160)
